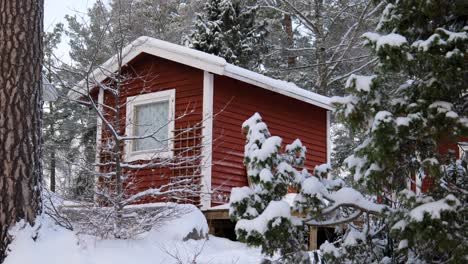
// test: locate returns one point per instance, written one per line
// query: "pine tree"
(51, 40)
(263, 216)
(414, 104)
(90, 41)
(207, 36)
(68, 129)
(20, 116)
(229, 29)
(264, 219)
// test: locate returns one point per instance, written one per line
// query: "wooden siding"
(151, 74)
(234, 102)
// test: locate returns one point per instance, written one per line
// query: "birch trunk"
(20, 114)
(320, 49)
(52, 164)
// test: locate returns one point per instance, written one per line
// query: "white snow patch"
(357, 163)
(392, 39)
(322, 169)
(313, 186)
(353, 238)
(297, 148)
(269, 147)
(266, 175)
(180, 227)
(254, 119)
(348, 101)
(454, 52)
(290, 198)
(363, 83)
(434, 209)
(433, 40)
(260, 224)
(454, 36)
(441, 106)
(403, 244)
(451, 114)
(294, 145)
(285, 168)
(348, 195)
(402, 121)
(220, 207)
(400, 225)
(463, 121)
(381, 117)
(371, 36)
(329, 248)
(239, 193)
(373, 167)
(55, 245)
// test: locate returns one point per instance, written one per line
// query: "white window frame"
(143, 99)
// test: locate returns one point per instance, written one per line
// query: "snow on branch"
(264, 208)
(153, 192)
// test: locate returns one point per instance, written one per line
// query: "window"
(150, 119)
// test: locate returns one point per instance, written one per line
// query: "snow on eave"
(200, 60)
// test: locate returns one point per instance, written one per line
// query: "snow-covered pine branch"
(265, 219)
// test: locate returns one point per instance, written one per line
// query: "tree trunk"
(52, 165)
(20, 114)
(290, 38)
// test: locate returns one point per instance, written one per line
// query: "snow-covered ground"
(56, 245)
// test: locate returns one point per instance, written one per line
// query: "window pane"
(151, 120)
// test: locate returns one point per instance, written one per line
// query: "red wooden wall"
(151, 74)
(443, 151)
(236, 101)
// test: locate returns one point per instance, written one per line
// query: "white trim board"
(99, 127)
(199, 60)
(97, 157)
(207, 142)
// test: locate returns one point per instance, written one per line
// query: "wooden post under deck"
(313, 238)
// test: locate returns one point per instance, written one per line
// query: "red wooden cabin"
(219, 97)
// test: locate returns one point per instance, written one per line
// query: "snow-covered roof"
(202, 61)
